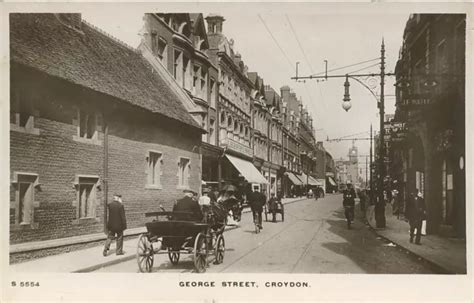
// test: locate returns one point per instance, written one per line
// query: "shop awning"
(294, 179)
(313, 181)
(247, 170)
(310, 180)
(331, 180)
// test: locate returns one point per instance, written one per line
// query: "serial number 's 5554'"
(25, 284)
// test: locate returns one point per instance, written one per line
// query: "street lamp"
(346, 102)
(346, 105)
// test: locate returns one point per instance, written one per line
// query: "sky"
(309, 37)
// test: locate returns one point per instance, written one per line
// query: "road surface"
(313, 239)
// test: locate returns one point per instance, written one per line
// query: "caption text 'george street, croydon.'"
(244, 284)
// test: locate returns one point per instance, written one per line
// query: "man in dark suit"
(116, 224)
(348, 202)
(188, 204)
(257, 200)
(416, 209)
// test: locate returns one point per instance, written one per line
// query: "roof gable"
(90, 58)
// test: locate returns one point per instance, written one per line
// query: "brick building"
(266, 133)
(292, 184)
(430, 102)
(179, 43)
(235, 104)
(89, 118)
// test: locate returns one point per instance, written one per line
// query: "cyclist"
(257, 200)
(348, 201)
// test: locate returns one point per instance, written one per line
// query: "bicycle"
(256, 221)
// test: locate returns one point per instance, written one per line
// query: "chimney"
(214, 24)
(237, 59)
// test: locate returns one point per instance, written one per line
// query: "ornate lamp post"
(346, 105)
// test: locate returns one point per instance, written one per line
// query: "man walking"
(348, 201)
(116, 224)
(416, 214)
(273, 206)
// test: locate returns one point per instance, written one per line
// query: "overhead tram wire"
(307, 61)
(276, 42)
(346, 66)
(281, 49)
(364, 68)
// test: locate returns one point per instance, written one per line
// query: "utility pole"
(371, 183)
(380, 205)
(346, 105)
(366, 172)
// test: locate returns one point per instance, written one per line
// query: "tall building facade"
(235, 103)
(179, 43)
(430, 103)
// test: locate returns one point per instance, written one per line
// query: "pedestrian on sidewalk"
(273, 205)
(348, 201)
(416, 210)
(116, 224)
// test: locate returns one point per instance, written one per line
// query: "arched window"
(222, 118)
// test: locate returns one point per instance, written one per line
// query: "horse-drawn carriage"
(176, 237)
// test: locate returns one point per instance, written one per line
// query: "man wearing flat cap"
(116, 224)
(188, 204)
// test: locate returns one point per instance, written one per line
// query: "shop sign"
(416, 101)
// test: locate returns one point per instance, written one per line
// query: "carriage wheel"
(145, 254)
(220, 249)
(174, 256)
(200, 253)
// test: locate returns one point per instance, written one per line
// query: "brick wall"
(57, 158)
(131, 136)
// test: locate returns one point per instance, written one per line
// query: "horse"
(218, 212)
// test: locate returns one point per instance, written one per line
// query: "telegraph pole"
(371, 162)
(346, 105)
(380, 205)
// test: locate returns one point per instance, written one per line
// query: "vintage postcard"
(236, 151)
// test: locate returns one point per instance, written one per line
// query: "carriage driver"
(188, 204)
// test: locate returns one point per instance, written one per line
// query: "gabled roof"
(90, 58)
(199, 27)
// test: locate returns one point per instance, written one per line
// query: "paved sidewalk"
(448, 254)
(90, 259)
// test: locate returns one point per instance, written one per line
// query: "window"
(22, 114)
(196, 72)
(25, 184)
(87, 124)
(185, 72)
(177, 63)
(183, 172)
(86, 196)
(154, 161)
(203, 84)
(212, 87)
(204, 126)
(162, 50)
(212, 134)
